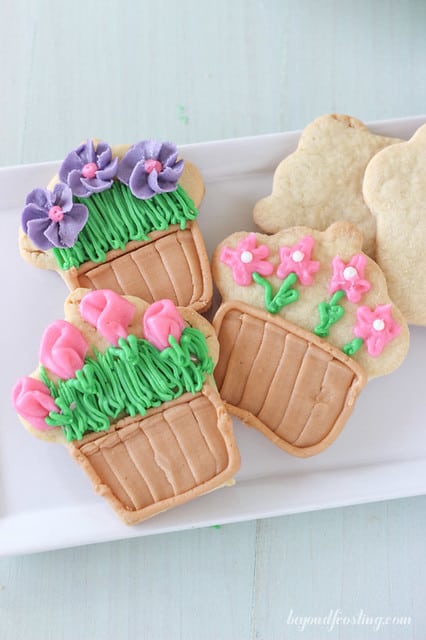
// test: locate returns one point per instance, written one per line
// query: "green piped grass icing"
(127, 381)
(116, 217)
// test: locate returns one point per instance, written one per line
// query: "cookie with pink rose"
(305, 322)
(128, 388)
(122, 218)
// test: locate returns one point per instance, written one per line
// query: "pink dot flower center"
(56, 214)
(89, 170)
(152, 164)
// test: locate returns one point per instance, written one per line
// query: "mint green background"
(195, 70)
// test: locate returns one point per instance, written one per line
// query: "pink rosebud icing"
(297, 259)
(63, 349)
(349, 277)
(246, 259)
(33, 402)
(376, 327)
(160, 321)
(109, 312)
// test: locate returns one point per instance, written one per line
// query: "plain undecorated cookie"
(395, 191)
(321, 182)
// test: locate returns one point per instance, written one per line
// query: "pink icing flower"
(247, 258)
(109, 312)
(349, 277)
(63, 349)
(160, 321)
(297, 259)
(33, 402)
(376, 327)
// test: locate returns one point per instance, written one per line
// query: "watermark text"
(337, 618)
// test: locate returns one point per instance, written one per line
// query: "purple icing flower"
(87, 170)
(150, 167)
(51, 219)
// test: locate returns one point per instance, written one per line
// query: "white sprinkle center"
(298, 256)
(378, 324)
(246, 257)
(349, 273)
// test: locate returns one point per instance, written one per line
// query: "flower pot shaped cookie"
(321, 182)
(395, 190)
(128, 388)
(122, 218)
(305, 321)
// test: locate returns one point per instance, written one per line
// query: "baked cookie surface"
(395, 191)
(321, 182)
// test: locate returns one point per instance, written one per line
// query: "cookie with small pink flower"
(123, 218)
(127, 386)
(305, 322)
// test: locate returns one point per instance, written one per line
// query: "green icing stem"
(329, 313)
(116, 217)
(127, 381)
(352, 347)
(284, 296)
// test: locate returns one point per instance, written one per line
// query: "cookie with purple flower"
(305, 322)
(151, 167)
(122, 218)
(51, 219)
(87, 170)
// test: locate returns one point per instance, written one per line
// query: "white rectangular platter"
(45, 500)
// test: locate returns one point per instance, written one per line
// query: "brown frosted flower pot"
(172, 264)
(294, 387)
(146, 464)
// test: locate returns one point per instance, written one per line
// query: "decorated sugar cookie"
(395, 191)
(321, 182)
(127, 386)
(122, 218)
(305, 321)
